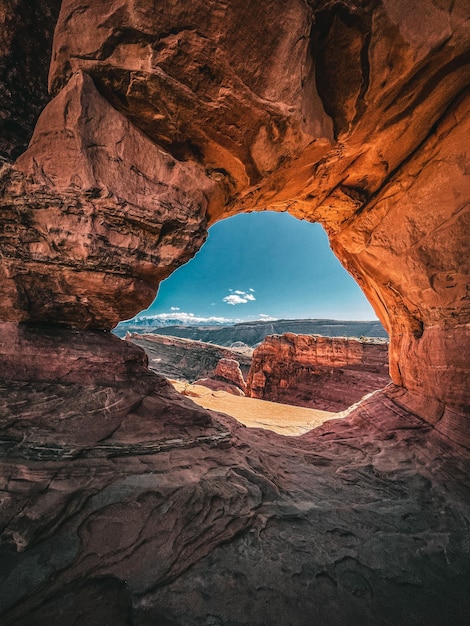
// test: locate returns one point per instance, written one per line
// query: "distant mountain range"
(148, 323)
(250, 333)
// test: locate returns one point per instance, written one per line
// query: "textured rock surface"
(125, 503)
(24, 65)
(410, 248)
(352, 114)
(183, 359)
(105, 215)
(229, 370)
(313, 371)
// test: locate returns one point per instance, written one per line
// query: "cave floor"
(129, 504)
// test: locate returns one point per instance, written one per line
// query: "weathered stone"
(97, 218)
(122, 502)
(125, 502)
(24, 65)
(318, 372)
(184, 359)
(218, 384)
(340, 113)
(229, 370)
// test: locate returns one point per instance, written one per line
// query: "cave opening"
(266, 297)
(285, 263)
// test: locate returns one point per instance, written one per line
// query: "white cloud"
(251, 290)
(266, 318)
(239, 297)
(233, 299)
(175, 308)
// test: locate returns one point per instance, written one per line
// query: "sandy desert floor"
(280, 418)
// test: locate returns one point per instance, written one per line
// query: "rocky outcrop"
(105, 215)
(183, 359)
(229, 370)
(318, 372)
(24, 64)
(354, 115)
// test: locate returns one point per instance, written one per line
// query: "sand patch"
(280, 418)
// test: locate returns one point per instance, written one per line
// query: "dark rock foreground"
(125, 503)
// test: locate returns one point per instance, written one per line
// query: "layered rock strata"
(351, 114)
(183, 359)
(252, 333)
(318, 372)
(125, 503)
(95, 216)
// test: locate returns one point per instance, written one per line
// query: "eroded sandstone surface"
(322, 372)
(166, 119)
(123, 502)
(183, 359)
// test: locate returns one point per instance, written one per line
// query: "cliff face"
(253, 333)
(318, 372)
(188, 360)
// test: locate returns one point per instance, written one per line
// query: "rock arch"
(124, 503)
(163, 121)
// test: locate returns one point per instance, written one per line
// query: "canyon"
(252, 333)
(184, 359)
(124, 502)
(311, 371)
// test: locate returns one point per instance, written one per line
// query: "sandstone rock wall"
(121, 501)
(26, 30)
(165, 120)
(319, 372)
(229, 370)
(124, 503)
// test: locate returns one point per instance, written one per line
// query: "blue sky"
(262, 265)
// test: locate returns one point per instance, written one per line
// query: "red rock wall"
(328, 373)
(167, 119)
(26, 30)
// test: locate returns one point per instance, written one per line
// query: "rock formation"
(183, 359)
(24, 65)
(164, 119)
(124, 503)
(318, 372)
(229, 370)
